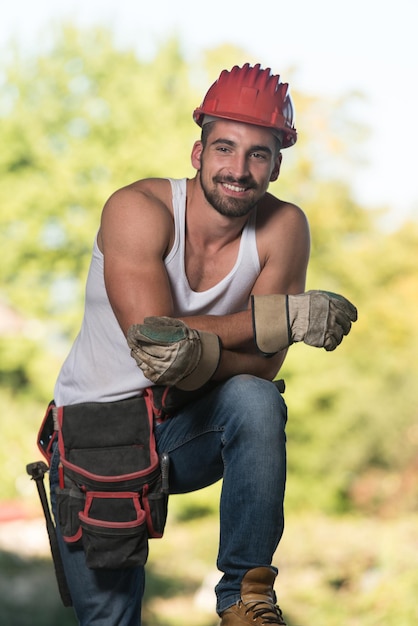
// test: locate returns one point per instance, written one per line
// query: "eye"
(259, 155)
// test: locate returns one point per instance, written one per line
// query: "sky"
(335, 48)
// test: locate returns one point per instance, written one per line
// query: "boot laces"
(269, 613)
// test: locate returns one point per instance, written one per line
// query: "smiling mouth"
(234, 188)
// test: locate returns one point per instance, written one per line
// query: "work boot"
(257, 605)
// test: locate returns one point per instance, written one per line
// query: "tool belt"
(113, 486)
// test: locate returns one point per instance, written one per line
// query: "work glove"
(170, 353)
(318, 318)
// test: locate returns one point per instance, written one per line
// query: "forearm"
(187, 353)
(235, 330)
(233, 363)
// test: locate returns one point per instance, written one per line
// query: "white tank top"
(99, 367)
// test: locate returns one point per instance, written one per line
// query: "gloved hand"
(318, 318)
(170, 353)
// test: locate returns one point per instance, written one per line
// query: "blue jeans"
(237, 432)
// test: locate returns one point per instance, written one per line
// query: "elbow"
(270, 366)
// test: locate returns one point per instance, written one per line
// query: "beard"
(227, 205)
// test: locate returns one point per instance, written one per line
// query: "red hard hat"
(251, 95)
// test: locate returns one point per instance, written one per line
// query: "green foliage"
(354, 410)
(20, 420)
(84, 118)
(79, 121)
(348, 571)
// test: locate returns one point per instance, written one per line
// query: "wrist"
(271, 327)
(207, 364)
(298, 307)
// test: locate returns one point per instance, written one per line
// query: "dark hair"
(206, 129)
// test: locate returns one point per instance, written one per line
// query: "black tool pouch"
(166, 401)
(111, 495)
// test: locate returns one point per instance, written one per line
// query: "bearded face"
(232, 197)
(236, 164)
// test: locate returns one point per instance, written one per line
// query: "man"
(202, 281)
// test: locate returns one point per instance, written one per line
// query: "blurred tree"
(78, 122)
(83, 118)
(343, 405)
(353, 413)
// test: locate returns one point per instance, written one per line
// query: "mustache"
(242, 181)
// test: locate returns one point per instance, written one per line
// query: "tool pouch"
(47, 434)
(111, 497)
(166, 401)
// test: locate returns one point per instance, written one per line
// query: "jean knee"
(257, 404)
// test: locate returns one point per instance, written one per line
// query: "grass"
(353, 570)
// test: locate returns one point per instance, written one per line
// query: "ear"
(196, 154)
(276, 169)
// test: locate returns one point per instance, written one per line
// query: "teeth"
(234, 188)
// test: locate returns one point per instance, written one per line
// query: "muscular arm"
(135, 236)
(284, 246)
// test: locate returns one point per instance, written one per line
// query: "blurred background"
(94, 95)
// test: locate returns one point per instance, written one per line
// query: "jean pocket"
(114, 530)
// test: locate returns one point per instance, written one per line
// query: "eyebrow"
(256, 148)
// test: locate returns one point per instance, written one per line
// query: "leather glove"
(318, 318)
(170, 353)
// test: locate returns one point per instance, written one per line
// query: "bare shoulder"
(275, 212)
(137, 212)
(141, 195)
(281, 225)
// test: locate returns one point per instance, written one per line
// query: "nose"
(238, 166)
